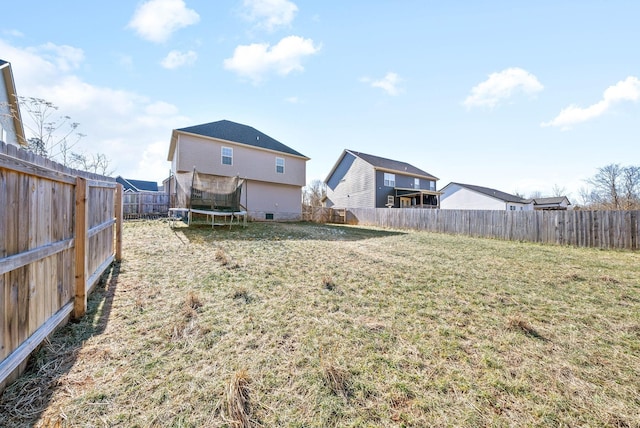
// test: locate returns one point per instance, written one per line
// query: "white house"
(458, 196)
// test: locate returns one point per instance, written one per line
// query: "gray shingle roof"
(238, 133)
(137, 185)
(507, 197)
(390, 164)
(552, 200)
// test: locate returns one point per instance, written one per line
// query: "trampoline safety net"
(198, 191)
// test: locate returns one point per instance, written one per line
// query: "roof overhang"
(414, 192)
(174, 140)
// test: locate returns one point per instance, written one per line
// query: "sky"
(521, 96)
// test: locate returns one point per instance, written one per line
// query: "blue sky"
(518, 96)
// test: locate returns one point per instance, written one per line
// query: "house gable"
(233, 132)
(11, 128)
(352, 183)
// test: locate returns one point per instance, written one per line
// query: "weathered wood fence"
(323, 215)
(145, 205)
(60, 229)
(581, 228)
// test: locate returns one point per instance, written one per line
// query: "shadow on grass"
(280, 232)
(23, 402)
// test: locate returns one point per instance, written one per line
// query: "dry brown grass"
(336, 377)
(237, 403)
(342, 326)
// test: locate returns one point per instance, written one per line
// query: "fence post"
(119, 213)
(81, 241)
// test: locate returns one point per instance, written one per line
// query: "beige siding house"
(273, 173)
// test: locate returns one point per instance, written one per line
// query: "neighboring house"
(359, 180)
(555, 203)
(458, 196)
(137, 185)
(11, 128)
(273, 173)
(142, 198)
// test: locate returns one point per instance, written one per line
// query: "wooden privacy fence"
(599, 229)
(145, 204)
(60, 229)
(323, 215)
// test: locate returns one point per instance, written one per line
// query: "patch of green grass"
(317, 325)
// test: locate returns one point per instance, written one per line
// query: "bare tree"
(313, 193)
(614, 187)
(630, 187)
(606, 185)
(535, 194)
(97, 163)
(586, 195)
(52, 136)
(557, 191)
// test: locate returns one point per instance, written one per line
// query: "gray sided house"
(360, 180)
(273, 173)
(11, 129)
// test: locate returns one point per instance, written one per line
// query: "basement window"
(268, 216)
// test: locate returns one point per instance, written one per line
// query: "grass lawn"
(304, 325)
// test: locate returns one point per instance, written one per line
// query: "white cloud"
(131, 129)
(389, 83)
(175, 59)
(271, 14)
(256, 60)
(153, 158)
(156, 20)
(501, 86)
(13, 33)
(66, 58)
(624, 90)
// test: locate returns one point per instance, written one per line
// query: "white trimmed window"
(280, 165)
(416, 183)
(389, 180)
(227, 156)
